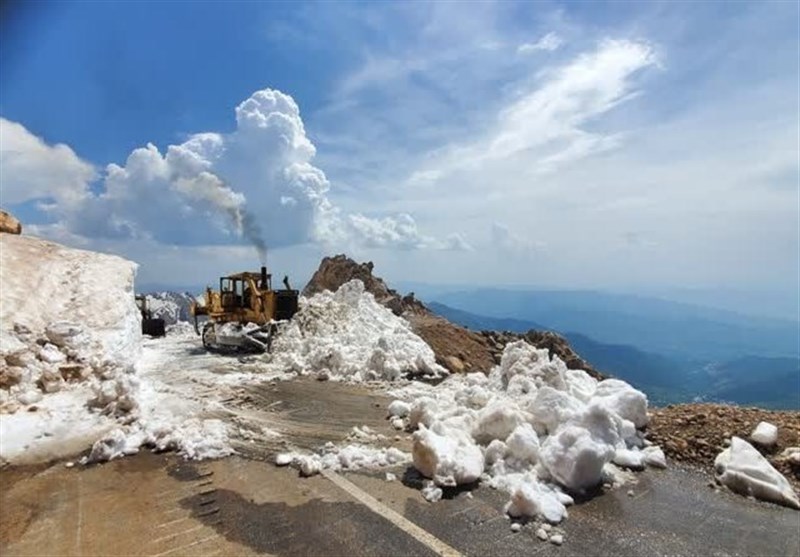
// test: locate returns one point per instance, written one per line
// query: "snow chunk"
(10, 345)
(765, 434)
(742, 468)
(580, 384)
(575, 458)
(533, 499)
(66, 334)
(399, 409)
(51, 354)
(496, 421)
(523, 444)
(629, 458)
(627, 402)
(550, 408)
(654, 456)
(423, 412)
(431, 493)
(449, 459)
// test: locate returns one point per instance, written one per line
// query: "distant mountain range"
(770, 382)
(673, 329)
(170, 306)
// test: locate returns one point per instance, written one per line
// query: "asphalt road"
(160, 505)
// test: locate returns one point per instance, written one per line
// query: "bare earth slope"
(696, 433)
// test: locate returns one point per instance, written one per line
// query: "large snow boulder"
(742, 468)
(620, 397)
(575, 458)
(448, 458)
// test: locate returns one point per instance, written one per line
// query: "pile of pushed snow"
(742, 468)
(194, 439)
(67, 316)
(354, 455)
(347, 335)
(532, 428)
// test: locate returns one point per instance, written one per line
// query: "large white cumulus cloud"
(257, 182)
(33, 169)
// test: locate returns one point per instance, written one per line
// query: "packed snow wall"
(66, 316)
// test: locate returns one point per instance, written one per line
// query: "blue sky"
(638, 147)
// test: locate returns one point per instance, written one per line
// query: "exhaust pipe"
(264, 277)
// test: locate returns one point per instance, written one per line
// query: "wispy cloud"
(546, 126)
(548, 43)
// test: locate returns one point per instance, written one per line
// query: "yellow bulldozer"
(244, 314)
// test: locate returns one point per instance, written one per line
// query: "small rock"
(631, 493)
(557, 539)
(547, 526)
(69, 464)
(516, 527)
(541, 534)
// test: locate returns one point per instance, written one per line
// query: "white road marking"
(198, 542)
(176, 534)
(423, 536)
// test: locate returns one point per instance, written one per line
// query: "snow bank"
(67, 316)
(69, 325)
(742, 468)
(347, 335)
(531, 428)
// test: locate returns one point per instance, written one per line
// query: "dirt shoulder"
(696, 433)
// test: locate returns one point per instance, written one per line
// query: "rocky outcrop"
(458, 349)
(333, 272)
(9, 224)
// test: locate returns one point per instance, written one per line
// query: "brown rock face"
(458, 349)
(9, 224)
